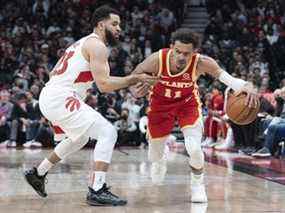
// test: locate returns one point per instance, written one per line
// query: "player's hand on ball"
(252, 96)
(140, 89)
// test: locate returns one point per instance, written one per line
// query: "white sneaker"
(28, 144)
(198, 191)
(207, 142)
(217, 143)
(12, 144)
(199, 207)
(223, 146)
(229, 141)
(204, 142)
(4, 144)
(158, 171)
(37, 144)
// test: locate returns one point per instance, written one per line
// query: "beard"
(110, 38)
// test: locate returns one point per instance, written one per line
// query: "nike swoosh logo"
(188, 99)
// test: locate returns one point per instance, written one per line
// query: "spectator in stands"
(246, 37)
(34, 121)
(133, 108)
(19, 120)
(213, 121)
(274, 127)
(5, 115)
(126, 129)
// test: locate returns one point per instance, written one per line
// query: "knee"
(108, 133)
(105, 144)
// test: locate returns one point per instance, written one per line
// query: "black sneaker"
(36, 181)
(263, 152)
(248, 150)
(103, 197)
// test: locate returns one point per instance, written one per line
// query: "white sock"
(44, 167)
(99, 180)
(197, 179)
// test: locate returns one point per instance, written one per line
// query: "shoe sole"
(93, 203)
(261, 155)
(194, 201)
(38, 192)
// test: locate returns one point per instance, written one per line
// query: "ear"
(101, 25)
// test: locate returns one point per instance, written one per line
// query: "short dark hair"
(101, 13)
(185, 36)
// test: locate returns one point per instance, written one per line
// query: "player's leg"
(193, 136)
(190, 121)
(159, 128)
(79, 124)
(106, 135)
(157, 157)
(36, 176)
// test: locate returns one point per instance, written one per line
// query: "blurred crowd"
(34, 34)
(247, 38)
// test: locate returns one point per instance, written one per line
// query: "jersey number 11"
(177, 94)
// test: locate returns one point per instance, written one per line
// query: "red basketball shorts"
(161, 119)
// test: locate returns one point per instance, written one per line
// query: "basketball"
(238, 112)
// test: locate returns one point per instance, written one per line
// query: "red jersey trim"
(57, 130)
(194, 69)
(160, 63)
(84, 77)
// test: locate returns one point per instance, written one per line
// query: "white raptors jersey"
(73, 72)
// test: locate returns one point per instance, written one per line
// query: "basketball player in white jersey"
(62, 102)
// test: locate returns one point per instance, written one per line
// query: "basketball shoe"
(36, 181)
(103, 197)
(198, 191)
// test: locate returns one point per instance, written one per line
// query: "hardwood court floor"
(228, 190)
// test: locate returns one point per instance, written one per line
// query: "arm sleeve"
(230, 81)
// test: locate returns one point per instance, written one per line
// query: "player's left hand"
(140, 89)
(252, 96)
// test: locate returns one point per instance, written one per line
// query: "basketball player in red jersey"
(175, 97)
(62, 102)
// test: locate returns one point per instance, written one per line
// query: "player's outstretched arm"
(209, 66)
(97, 55)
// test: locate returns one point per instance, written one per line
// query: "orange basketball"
(238, 112)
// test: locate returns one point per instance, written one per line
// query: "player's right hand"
(252, 97)
(140, 89)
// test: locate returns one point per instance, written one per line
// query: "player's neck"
(100, 35)
(173, 69)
